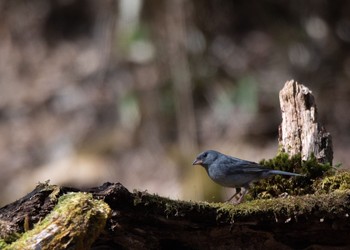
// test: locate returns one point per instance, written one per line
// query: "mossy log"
(140, 220)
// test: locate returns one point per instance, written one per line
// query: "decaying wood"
(300, 131)
(142, 221)
(76, 222)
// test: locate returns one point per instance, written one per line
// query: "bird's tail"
(284, 173)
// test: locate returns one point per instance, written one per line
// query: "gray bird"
(232, 172)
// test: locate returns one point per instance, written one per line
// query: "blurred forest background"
(130, 91)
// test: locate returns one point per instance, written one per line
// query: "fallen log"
(140, 220)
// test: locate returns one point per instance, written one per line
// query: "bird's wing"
(237, 166)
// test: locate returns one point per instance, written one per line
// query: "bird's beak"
(197, 162)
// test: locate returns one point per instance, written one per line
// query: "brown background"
(131, 91)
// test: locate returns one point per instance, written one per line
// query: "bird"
(232, 172)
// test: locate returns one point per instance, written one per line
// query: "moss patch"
(286, 209)
(331, 183)
(275, 210)
(76, 221)
(281, 185)
(165, 206)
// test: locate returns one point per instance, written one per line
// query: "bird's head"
(206, 158)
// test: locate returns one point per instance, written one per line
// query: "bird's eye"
(205, 155)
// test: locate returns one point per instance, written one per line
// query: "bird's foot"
(284, 195)
(236, 199)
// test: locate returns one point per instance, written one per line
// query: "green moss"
(162, 205)
(281, 185)
(76, 221)
(3, 244)
(311, 168)
(339, 181)
(285, 209)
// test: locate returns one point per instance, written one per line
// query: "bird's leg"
(244, 192)
(237, 191)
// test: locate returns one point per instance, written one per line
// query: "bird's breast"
(229, 180)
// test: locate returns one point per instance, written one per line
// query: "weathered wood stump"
(300, 131)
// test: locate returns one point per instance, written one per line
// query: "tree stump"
(300, 131)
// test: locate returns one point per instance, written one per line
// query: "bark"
(300, 131)
(142, 221)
